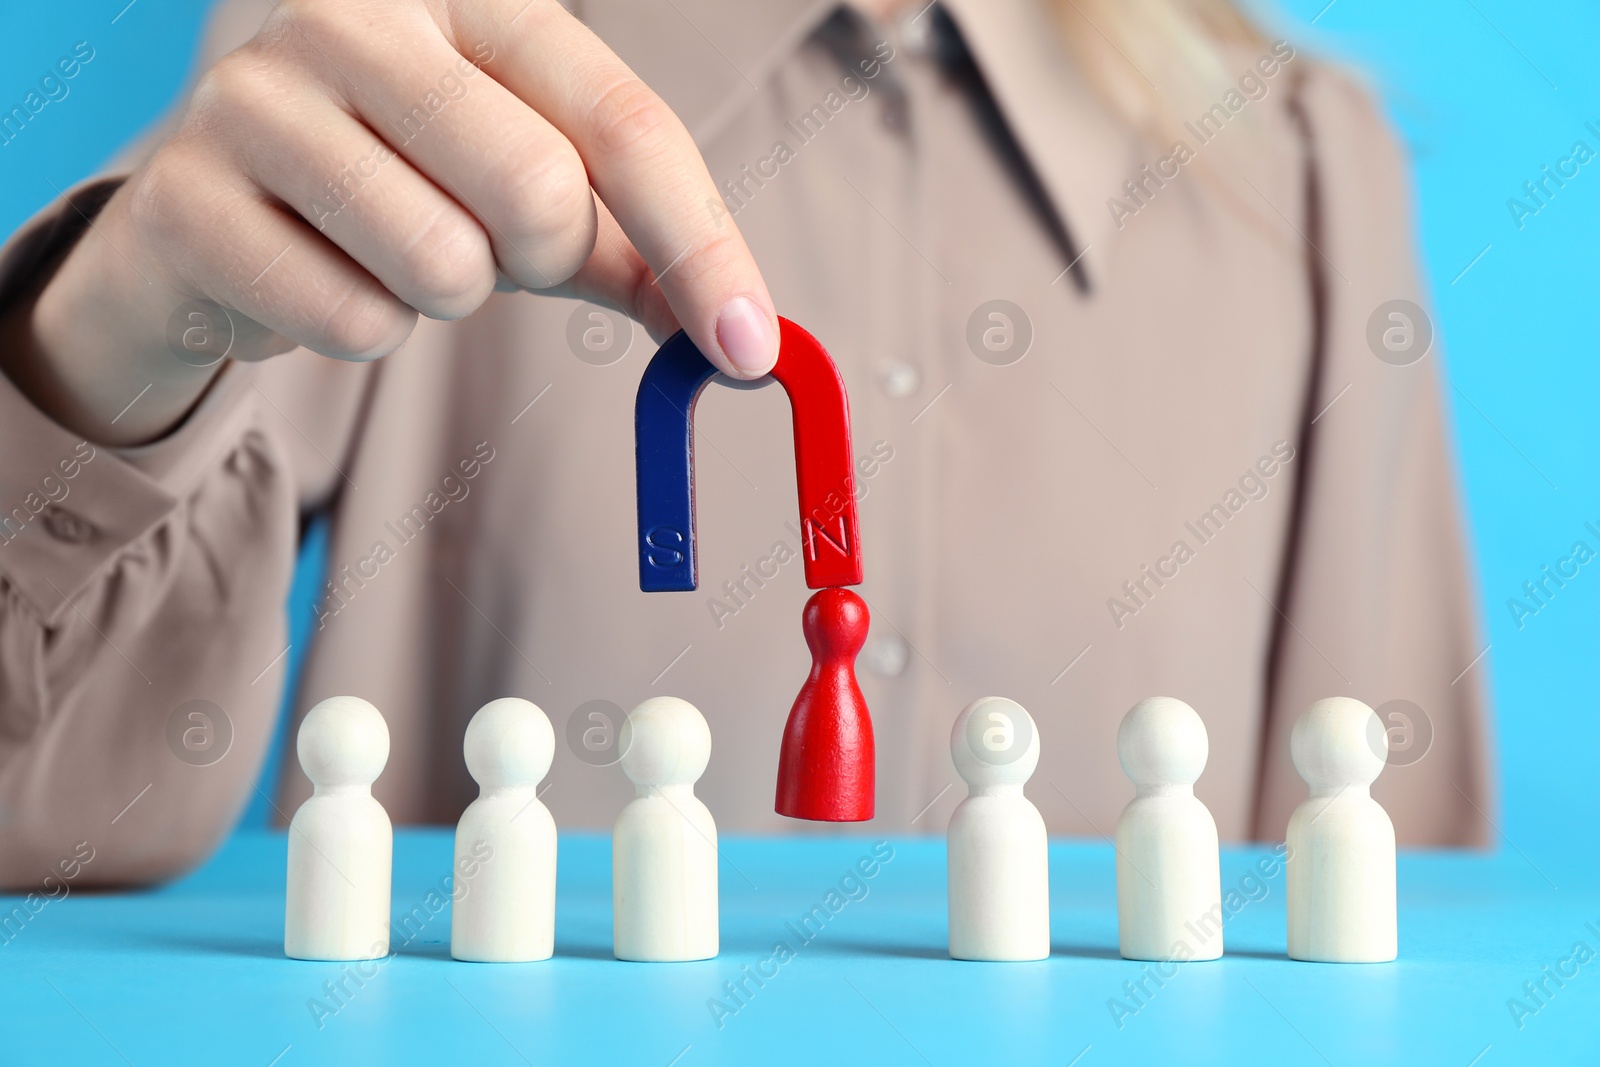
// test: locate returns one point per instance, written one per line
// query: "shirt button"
(66, 526)
(896, 114)
(899, 379)
(915, 30)
(886, 656)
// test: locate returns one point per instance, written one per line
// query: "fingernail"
(746, 336)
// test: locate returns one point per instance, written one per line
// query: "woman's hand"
(363, 161)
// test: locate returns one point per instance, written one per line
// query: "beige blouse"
(1120, 430)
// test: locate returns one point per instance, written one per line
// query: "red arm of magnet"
(824, 471)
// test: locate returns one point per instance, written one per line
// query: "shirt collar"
(1081, 153)
(707, 58)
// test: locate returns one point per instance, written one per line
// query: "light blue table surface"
(193, 972)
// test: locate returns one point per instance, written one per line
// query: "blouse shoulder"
(1348, 134)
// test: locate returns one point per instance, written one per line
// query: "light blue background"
(1484, 92)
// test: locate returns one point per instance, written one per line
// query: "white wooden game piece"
(1169, 878)
(664, 846)
(1340, 860)
(504, 893)
(997, 848)
(341, 844)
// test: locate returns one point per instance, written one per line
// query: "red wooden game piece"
(827, 767)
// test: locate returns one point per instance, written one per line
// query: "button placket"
(67, 526)
(886, 655)
(898, 379)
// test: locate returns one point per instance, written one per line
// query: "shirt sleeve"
(141, 611)
(142, 626)
(1375, 599)
(142, 586)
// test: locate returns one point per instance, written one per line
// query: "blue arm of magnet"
(663, 436)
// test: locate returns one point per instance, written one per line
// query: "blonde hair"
(1155, 61)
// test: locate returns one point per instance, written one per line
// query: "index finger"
(644, 166)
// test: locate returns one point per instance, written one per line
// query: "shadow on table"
(1101, 952)
(941, 951)
(425, 950)
(1255, 954)
(1090, 952)
(581, 951)
(259, 947)
(878, 948)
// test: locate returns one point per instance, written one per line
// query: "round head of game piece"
(509, 743)
(835, 622)
(664, 741)
(1339, 742)
(994, 743)
(343, 741)
(1162, 742)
